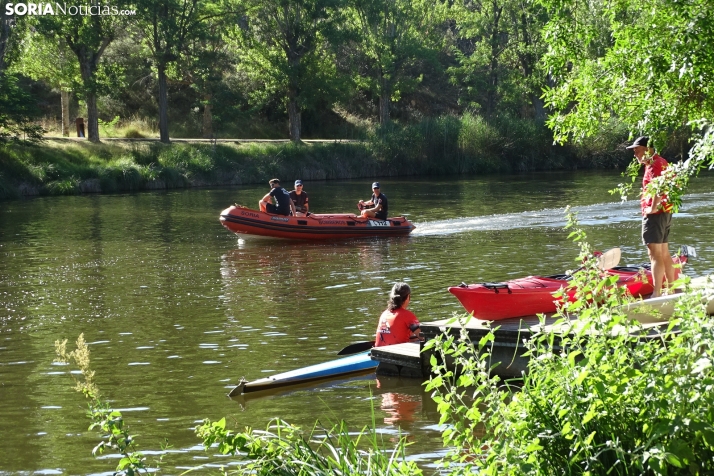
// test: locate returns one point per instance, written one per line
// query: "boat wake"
(588, 215)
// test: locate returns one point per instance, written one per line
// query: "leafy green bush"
(133, 133)
(286, 450)
(63, 187)
(601, 394)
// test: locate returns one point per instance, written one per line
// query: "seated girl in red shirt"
(396, 324)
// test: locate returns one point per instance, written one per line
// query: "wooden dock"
(410, 360)
(400, 360)
(407, 360)
(508, 346)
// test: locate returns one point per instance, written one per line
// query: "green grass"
(444, 145)
(287, 450)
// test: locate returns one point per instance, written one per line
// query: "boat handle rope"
(496, 286)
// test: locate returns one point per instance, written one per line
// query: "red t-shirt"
(395, 327)
(652, 170)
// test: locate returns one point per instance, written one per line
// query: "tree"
(50, 61)
(87, 36)
(649, 63)
(17, 110)
(498, 50)
(394, 37)
(6, 24)
(284, 50)
(207, 58)
(167, 28)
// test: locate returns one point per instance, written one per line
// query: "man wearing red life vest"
(656, 215)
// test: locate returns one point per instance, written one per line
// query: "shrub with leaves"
(284, 449)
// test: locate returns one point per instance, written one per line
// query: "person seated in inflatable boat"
(300, 200)
(378, 202)
(397, 325)
(283, 203)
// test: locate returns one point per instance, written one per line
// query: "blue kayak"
(361, 362)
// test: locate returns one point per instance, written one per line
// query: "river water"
(177, 309)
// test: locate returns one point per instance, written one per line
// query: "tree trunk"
(163, 105)
(92, 117)
(207, 117)
(5, 32)
(539, 108)
(384, 103)
(86, 68)
(64, 98)
(495, 52)
(294, 117)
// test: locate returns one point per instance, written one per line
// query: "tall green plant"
(109, 422)
(173, 31)
(282, 449)
(600, 395)
(287, 450)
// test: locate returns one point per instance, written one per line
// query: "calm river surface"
(177, 309)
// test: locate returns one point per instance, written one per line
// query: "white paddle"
(609, 259)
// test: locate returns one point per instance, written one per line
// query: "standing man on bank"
(283, 204)
(656, 215)
(377, 206)
(299, 198)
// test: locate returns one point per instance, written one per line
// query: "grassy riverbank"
(442, 146)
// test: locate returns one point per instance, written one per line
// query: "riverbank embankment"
(66, 166)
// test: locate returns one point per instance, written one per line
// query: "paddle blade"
(237, 390)
(609, 259)
(356, 348)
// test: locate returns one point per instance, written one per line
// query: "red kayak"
(534, 294)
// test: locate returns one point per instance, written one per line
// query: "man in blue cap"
(377, 206)
(299, 199)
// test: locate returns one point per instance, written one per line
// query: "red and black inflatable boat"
(534, 294)
(242, 220)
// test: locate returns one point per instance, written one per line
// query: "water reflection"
(400, 407)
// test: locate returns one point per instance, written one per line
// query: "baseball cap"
(272, 181)
(298, 182)
(640, 141)
(375, 185)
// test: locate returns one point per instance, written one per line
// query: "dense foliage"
(328, 63)
(650, 64)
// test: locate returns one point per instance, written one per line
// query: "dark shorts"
(381, 215)
(655, 228)
(270, 208)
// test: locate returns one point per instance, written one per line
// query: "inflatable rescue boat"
(243, 220)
